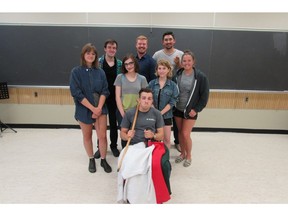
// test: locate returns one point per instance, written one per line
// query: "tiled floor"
(43, 166)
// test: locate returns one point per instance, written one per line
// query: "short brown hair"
(167, 64)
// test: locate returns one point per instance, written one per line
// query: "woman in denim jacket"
(165, 94)
(89, 89)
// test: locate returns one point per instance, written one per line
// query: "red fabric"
(161, 190)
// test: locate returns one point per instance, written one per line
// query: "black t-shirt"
(111, 74)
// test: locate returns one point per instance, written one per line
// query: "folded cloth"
(135, 183)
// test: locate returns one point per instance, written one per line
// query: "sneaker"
(106, 166)
(97, 154)
(115, 152)
(92, 165)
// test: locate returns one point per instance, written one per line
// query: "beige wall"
(251, 21)
(210, 117)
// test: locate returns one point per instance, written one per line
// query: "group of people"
(167, 83)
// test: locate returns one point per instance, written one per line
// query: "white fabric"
(136, 171)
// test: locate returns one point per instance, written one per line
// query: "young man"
(173, 55)
(146, 63)
(136, 181)
(169, 52)
(112, 67)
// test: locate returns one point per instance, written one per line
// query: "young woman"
(194, 92)
(127, 87)
(89, 88)
(165, 94)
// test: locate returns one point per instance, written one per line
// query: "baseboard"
(197, 129)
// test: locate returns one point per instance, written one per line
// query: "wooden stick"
(129, 139)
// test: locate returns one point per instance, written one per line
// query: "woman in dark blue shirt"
(89, 88)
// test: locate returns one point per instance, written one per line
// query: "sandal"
(187, 163)
(179, 159)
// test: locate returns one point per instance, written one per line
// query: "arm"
(204, 95)
(98, 110)
(77, 93)
(118, 100)
(125, 134)
(87, 104)
(165, 109)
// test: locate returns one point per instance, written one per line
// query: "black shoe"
(106, 166)
(115, 152)
(97, 154)
(92, 165)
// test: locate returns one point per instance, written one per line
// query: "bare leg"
(187, 126)
(87, 138)
(167, 135)
(179, 122)
(101, 130)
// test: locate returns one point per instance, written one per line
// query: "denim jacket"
(169, 95)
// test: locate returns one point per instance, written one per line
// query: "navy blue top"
(83, 83)
(147, 67)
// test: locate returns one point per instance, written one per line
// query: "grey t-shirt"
(146, 120)
(162, 55)
(186, 85)
(130, 90)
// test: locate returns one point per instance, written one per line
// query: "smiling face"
(187, 62)
(129, 65)
(163, 69)
(168, 42)
(89, 58)
(111, 49)
(141, 46)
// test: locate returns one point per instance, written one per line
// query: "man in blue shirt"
(146, 63)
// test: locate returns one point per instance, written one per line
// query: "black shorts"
(180, 114)
(168, 122)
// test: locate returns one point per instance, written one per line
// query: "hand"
(177, 60)
(97, 111)
(148, 134)
(192, 113)
(131, 133)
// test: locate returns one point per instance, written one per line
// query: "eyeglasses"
(129, 63)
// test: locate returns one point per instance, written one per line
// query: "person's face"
(89, 57)
(168, 42)
(129, 65)
(187, 62)
(141, 46)
(146, 100)
(162, 71)
(110, 49)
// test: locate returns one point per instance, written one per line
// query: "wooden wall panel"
(13, 97)
(217, 100)
(66, 97)
(221, 100)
